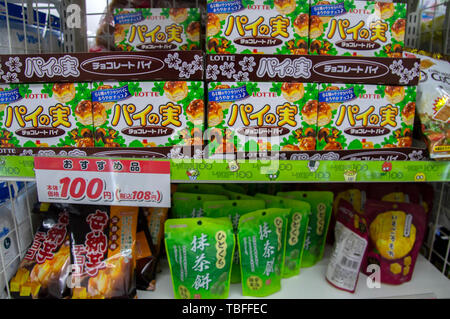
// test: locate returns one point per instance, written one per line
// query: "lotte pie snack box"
(261, 116)
(259, 26)
(149, 114)
(157, 29)
(46, 115)
(356, 116)
(358, 28)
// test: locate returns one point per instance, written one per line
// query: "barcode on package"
(353, 264)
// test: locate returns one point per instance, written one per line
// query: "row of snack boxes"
(239, 116)
(364, 28)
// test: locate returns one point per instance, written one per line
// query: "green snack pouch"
(321, 206)
(235, 188)
(185, 205)
(200, 253)
(297, 224)
(236, 195)
(214, 189)
(261, 239)
(233, 209)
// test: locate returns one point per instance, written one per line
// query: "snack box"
(148, 114)
(357, 116)
(264, 26)
(261, 116)
(157, 29)
(46, 115)
(359, 28)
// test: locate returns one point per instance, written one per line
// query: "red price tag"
(103, 181)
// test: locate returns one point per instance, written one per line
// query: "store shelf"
(203, 171)
(427, 282)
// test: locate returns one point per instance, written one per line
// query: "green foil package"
(297, 225)
(233, 209)
(200, 253)
(261, 239)
(186, 205)
(321, 203)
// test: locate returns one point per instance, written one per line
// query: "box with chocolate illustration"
(357, 116)
(46, 115)
(157, 29)
(261, 116)
(257, 26)
(148, 114)
(359, 28)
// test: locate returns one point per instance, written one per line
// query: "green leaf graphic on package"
(200, 253)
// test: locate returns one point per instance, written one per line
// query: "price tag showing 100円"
(113, 182)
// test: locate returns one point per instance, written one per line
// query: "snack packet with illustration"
(261, 237)
(297, 224)
(148, 245)
(321, 204)
(44, 270)
(200, 253)
(350, 247)
(396, 233)
(433, 104)
(233, 209)
(103, 251)
(185, 205)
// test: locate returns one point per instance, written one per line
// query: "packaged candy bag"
(261, 237)
(237, 196)
(185, 205)
(396, 233)
(389, 192)
(103, 251)
(242, 189)
(233, 209)
(350, 247)
(200, 253)
(214, 189)
(44, 270)
(297, 225)
(148, 245)
(321, 204)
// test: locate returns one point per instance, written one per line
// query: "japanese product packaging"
(200, 253)
(433, 105)
(357, 116)
(358, 28)
(157, 29)
(103, 251)
(185, 205)
(261, 237)
(148, 114)
(297, 224)
(46, 115)
(396, 233)
(44, 270)
(261, 116)
(350, 248)
(233, 209)
(321, 203)
(259, 26)
(148, 245)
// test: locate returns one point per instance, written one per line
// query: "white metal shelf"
(427, 282)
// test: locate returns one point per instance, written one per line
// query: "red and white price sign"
(103, 181)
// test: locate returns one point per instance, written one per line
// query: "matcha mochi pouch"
(233, 209)
(321, 203)
(297, 224)
(185, 205)
(200, 253)
(261, 238)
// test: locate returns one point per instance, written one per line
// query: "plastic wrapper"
(396, 232)
(102, 251)
(43, 272)
(200, 254)
(349, 249)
